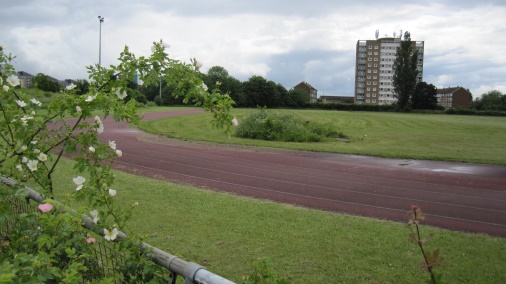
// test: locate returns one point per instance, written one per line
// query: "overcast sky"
(281, 40)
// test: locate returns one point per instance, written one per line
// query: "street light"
(101, 19)
(153, 49)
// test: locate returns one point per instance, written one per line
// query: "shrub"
(150, 104)
(271, 126)
(50, 245)
(158, 101)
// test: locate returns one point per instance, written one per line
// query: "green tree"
(492, 100)
(82, 86)
(260, 92)
(42, 82)
(273, 96)
(255, 89)
(168, 98)
(228, 84)
(151, 91)
(424, 96)
(217, 71)
(405, 71)
(296, 98)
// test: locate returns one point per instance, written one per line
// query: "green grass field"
(476, 139)
(227, 233)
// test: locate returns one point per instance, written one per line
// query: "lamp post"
(101, 19)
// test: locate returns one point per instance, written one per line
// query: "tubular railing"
(190, 271)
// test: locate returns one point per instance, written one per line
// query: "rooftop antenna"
(377, 33)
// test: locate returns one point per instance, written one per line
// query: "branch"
(61, 151)
(8, 126)
(22, 108)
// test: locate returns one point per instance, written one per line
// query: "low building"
(337, 99)
(313, 93)
(25, 79)
(454, 97)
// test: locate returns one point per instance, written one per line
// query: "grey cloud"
(333, 73)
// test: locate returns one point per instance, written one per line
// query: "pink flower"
(46, 207)
(90, 240)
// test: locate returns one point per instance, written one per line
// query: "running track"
(457, 196)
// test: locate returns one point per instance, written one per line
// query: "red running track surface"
(457, 196)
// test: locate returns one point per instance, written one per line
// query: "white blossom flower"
(33, 112)
(34, 142)
(121, 95)
(19, 167)
(119, 153)
(198, 64)
(89, 98)
(99, 125)
(42, 157)
(78, 109)
(24, 160)
(21, 103)
(94, 215)
(70, 87)
(112, 192)
(235, 122)
(13, 80)
(204, 86)
(112, 144)
(91, 149)
(25, 119)
(6, 88)
(32, 165)
(110, 235)
(36, 151)
(36, 102)
(79, 182)
(23, 148)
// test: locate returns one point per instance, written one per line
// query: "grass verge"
(394, 135)
(226, 233)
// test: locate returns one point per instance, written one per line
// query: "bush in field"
(271, 126)
(49, 244)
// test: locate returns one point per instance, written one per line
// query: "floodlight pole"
(101, 19)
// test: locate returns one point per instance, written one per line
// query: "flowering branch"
(30, 140)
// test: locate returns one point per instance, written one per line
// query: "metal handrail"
(190, 271)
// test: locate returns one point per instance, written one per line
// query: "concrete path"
(458, 196)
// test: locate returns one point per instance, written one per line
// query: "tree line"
(258, 91)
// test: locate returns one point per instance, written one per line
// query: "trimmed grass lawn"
(476, 139)
(227, 233)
